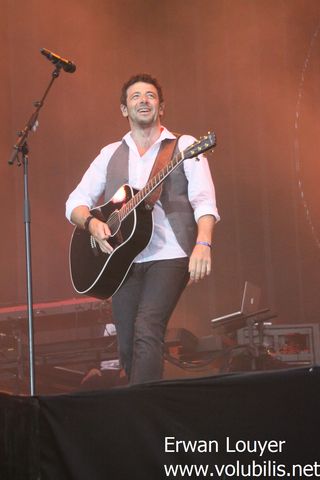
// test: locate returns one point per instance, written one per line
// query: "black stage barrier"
(255, 425)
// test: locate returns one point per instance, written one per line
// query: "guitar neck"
(152, 184)
(198, 147)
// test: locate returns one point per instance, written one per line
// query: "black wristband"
(87, 222)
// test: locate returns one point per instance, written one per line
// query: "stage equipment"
(21, 148)
(296, 344)
(182, 338)
(69, 339)
(188, 352)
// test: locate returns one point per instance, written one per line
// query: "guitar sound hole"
(118, 238)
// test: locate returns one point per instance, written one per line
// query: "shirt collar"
(165, 133)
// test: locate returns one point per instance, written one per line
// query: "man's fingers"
(101, 232)
(198, 269)
(105, 246)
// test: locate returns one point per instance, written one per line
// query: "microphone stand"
(21, 149)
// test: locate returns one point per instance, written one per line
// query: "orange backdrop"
(249, 70)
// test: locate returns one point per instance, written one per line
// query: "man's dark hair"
(140, 77)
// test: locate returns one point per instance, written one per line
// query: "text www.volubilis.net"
(265, 469)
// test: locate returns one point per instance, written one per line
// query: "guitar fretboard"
(152, 184)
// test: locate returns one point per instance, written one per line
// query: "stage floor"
(244, 425)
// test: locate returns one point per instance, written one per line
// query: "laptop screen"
(250, 298)
(249, 304)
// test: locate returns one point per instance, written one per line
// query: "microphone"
(67, 66)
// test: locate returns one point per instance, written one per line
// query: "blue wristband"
(206, 244)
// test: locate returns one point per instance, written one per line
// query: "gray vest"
(174, 196)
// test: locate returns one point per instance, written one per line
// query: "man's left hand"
(200, 263)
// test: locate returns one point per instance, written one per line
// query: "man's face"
(143, 107)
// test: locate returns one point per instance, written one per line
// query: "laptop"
(249, 305)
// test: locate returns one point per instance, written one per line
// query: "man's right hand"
(101, 233)
(99, 230)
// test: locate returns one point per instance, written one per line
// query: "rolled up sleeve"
(201, 191)
(93, 182)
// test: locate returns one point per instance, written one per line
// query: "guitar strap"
(165, 154)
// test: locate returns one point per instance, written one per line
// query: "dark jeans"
(141, 309)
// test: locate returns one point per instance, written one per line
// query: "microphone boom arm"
(31, 123)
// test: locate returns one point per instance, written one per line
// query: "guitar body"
(99, 274)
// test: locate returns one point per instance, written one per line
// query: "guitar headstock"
(203, 145)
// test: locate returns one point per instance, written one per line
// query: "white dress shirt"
(201, 193)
